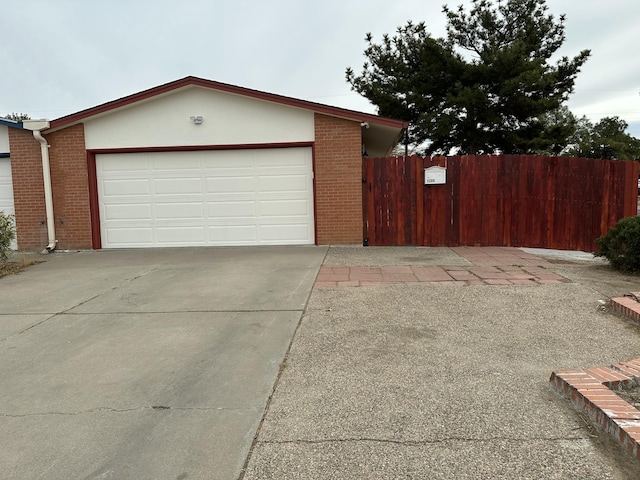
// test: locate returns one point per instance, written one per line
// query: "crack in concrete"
(68, 310)
(419, 443)
(126, 410)
(29, 328)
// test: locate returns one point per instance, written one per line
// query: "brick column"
(70, 184)
(338, 177)
(28, 190)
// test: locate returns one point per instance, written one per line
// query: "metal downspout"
(48, 194)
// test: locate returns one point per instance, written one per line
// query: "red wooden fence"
(497, 200)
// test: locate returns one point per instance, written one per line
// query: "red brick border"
(627, 306)
(590, 392)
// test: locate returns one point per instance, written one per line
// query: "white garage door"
(237, 197)
(6, 190)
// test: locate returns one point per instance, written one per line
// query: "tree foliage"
(606, 139)
(481, 89)
(18, 117)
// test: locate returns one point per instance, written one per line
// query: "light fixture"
(196, 119)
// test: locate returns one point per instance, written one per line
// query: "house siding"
(338, 176)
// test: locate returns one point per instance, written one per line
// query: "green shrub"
(621, 245)
(7, 234)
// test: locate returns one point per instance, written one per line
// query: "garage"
(6, 191)
(210, 197)
(6, 186)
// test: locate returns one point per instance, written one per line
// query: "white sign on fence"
(435, 175)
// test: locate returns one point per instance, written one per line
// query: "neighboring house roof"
(10, 123)
(380, 131)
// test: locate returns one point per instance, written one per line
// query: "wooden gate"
(497, 200)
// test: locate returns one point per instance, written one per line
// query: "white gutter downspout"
(36, 126)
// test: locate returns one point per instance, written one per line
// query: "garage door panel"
(230, 209)
(168, 164)
(243, 197)
(282, 183)
(224, 162)
(238, 234)
(275, 233)
(128, 211)
(179, 235)
(179, 186)
(127, 237)
(126, 162)
(6, 191)
(284, 208)
(280, 158)
(6, 187)
(178, 211)
(232, 184)
(126, 186)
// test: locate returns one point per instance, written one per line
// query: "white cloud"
(63, 56)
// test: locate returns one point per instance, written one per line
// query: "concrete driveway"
(144, 364)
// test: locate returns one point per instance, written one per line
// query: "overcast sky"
(62, 56)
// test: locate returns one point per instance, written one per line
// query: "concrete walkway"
(403, 378)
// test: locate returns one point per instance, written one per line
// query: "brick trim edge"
(590, 392)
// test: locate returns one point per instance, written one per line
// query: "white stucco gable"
(227, 119)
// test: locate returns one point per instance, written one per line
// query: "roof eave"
(11, 123)
(82, 115)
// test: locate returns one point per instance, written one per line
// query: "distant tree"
(18, 117)
(480, 90)
(557, 128)
(606, 139)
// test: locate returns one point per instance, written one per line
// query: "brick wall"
(69, 183)
(28, 190)
(70, 187)
(338, 177)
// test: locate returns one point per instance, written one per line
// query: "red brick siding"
(68, 165)
(70, 187)
(338, 177)
(28, 190)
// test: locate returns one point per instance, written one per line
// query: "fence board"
(510, 200)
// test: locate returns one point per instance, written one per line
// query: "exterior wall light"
(196, 119)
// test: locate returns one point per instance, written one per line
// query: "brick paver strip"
(332, 277)
(398, 277)
(397, 269)
(366, 277)
(518, 281)
(589, 390)
(431, 274)
(462, 275)
(490, 281)
(489, 266)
